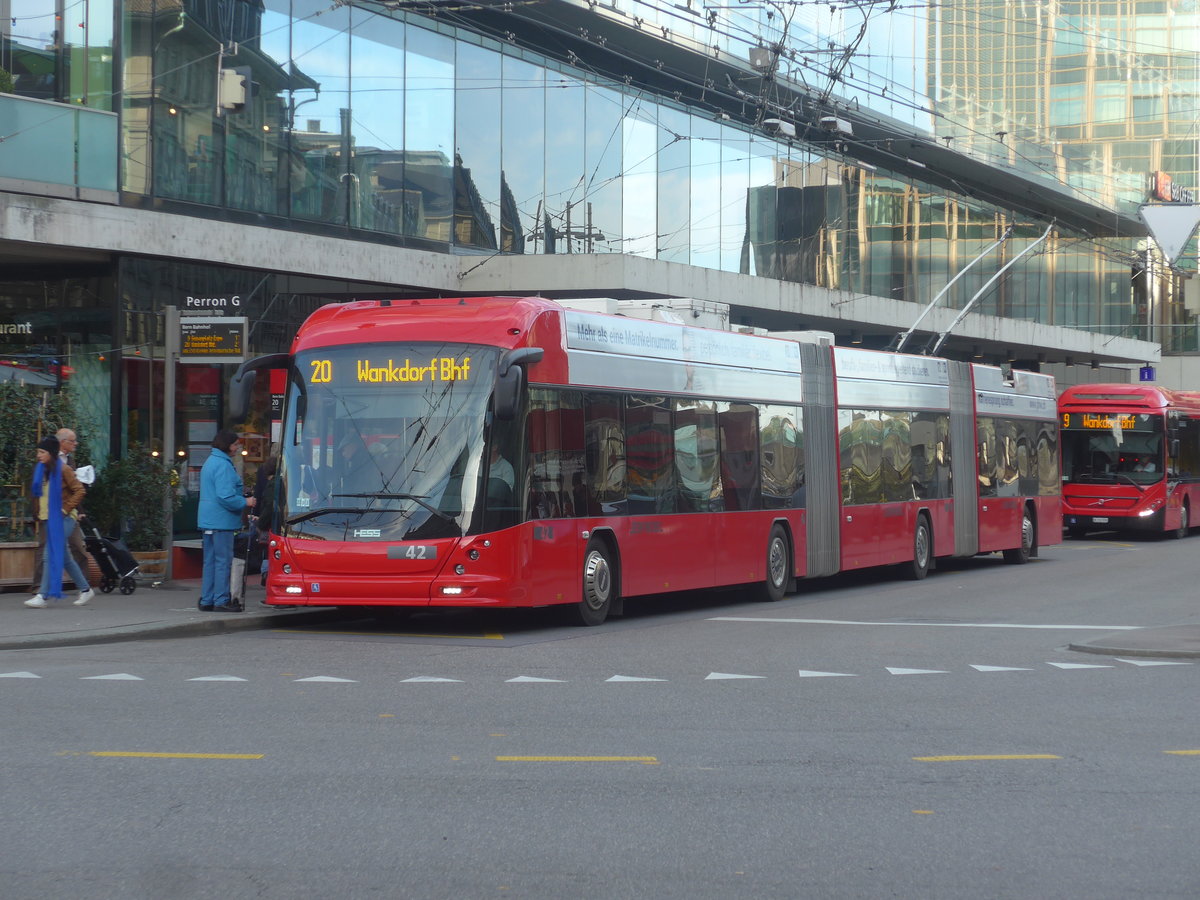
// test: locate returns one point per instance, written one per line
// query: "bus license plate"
(413, 551)
(1100, 520)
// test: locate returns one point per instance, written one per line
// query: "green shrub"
(128, 496)
(28, 414)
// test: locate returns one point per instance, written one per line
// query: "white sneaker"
(37, 601)
(85, 596)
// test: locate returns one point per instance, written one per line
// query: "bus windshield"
(385, 441)
(1112, 448)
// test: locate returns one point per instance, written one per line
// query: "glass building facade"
(403, 129)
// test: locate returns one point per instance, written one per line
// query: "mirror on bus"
(510, 380)
(509, 388)
(241, 389)
(241, 386)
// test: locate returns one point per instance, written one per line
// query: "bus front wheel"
(599, 585)
(922, 550)
(774, 586)
(1185, 522)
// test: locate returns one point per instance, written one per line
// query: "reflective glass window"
(649, 443)
(698, 457)
(377, 190)
(555, 434)
(428, 186)
(522, 209)
(735, 185)
(929, 434)
(319, 150)
(760, 254)
(477, 147)
(860, 445)
(740, 463)
(706, 194)
(639, 183)
(566, 183)
(781, 441)
(59, 51)
(600, 222)
(895, 463)
(987, 456)
(674, 186)
(604, 454)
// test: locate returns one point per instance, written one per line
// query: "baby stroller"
(117, 566)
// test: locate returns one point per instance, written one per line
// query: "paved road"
(865, 738)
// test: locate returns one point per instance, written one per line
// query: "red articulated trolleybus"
(512, 452)
(1130, 458)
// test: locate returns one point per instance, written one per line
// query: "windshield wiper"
(326, 510)
(420, 501)
(1121, 476)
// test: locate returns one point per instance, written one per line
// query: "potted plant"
(127, 501)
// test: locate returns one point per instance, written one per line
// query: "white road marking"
(530, 679)
(430, 679)
(329, 678)
(217, 678)
(1151, 662)
(1076, 666)
(632, 678)
(999, 669)
(120, 677)
(18, 675)
(898, 671)
(726, 676)
(808, 673)
(928, 624)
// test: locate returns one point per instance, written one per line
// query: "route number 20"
(322, 372)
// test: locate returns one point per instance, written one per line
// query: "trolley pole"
(170, 354)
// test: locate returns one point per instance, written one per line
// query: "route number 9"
(1066, 420)
(322, 372)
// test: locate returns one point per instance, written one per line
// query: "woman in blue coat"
(219, 518)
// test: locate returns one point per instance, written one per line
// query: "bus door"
(860, 446)
(1000, 503)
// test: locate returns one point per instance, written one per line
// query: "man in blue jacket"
(219, 517)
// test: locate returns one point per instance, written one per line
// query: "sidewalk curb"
(1157, 653)
(214, 623)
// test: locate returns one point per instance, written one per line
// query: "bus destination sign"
(374, 371)
(1099, 421)
(212, 340)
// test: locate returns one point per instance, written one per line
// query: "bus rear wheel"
(1021, 555)
(779, 557)
(599, 585)
(918, 568)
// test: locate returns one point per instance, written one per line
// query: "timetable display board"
(212, 340)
